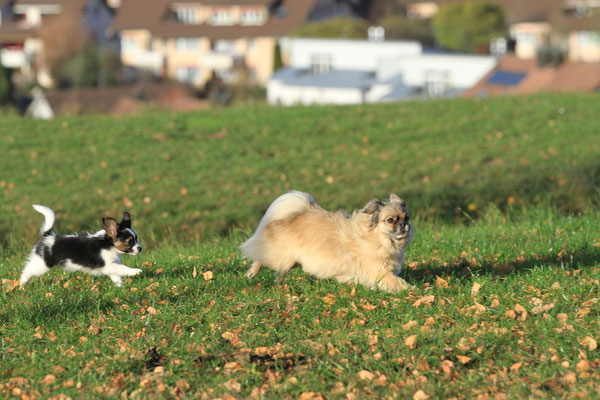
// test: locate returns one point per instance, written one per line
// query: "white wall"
(357, 55)
(463, 70)
(278, 93)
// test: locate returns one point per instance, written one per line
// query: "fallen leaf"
(409, 325)
(208, 275)
(329, 299)
(590, 343)
(475, 289)
(420, 395)
(516, 366)
(582, 366)
(48, 380)
(194, 272)
(425, 300)
(365, 375)
(440, 282)
(463, 359)
(410, 341)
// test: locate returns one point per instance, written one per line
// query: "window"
(187, 74)
(221, 17)
(437, 83)
(224, 46)
(128, 44)
(320, 63)
(187, 15)
(588, 38)
(527, 39)
(253, 17)
(187, 44)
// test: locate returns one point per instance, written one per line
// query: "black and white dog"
(96, 254)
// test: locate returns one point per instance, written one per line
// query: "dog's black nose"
(139, 248)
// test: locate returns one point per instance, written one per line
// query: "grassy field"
(506, 258)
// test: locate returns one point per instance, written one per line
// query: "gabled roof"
(155, 17)
(570, 76)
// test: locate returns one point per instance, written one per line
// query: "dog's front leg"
(117, 271)
(392, 283)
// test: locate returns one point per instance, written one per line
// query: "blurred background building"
(298, 52)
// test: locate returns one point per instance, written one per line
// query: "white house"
(333, 71)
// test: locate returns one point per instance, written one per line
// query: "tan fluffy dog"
(367, 247)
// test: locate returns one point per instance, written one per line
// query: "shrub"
(347, 28)
(469, 26)
(400, 27)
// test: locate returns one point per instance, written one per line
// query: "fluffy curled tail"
(285, 206)
(49, 219)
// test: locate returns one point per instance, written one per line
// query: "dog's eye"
(130, 241)
(390, 220)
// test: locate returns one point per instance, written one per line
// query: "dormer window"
(187, 15)
(221, 16)
(253, 16)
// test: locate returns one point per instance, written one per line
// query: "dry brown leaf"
(440, 282)
(365, 375)
(194, 272)
(208, 275)
(570, 378)
(516, 366)
(48, 380)
(329, 299)
(542, 308)
(420, 395)
(475, 289)
(447, 366)
(410, 341)
(463, 359)
(582, 366)
(590, 343)
(409, 325)
(425, 300)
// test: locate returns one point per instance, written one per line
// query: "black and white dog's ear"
(396, 199)
(126, 221)
(110, 226)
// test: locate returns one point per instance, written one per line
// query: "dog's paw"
(135, 271)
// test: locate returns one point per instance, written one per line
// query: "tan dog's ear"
(396, 199)
(110, 226)
(372, 207)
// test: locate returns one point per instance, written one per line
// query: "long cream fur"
(350, 248)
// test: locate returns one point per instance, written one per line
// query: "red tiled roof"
(155, 17)
(570, 76)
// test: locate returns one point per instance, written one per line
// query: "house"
(120, 100)
(515, 75)
(568, 27)
(335, 71)
(22, 21)
(192, 41)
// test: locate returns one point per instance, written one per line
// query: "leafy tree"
(400, 27)
(347, 28)
(468, 26)
(277, 62)
(6, 87)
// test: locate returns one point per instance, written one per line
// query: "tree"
(469, 26)
(346, 28)
(6, 87)
(400, 27)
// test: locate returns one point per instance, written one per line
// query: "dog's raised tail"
(49, 219)
(285, 206)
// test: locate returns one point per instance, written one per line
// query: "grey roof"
(339, 79)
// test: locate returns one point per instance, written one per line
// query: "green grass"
(518, 218)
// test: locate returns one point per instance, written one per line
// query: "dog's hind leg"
(35, 267)
(254, 269)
